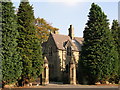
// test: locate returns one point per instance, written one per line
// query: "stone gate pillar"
(45, 73)
(72, 72)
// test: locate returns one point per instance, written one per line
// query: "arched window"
(69, 51)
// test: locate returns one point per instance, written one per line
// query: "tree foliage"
(11, 61)
(115, 29)
(98, 57)
(43, 29)
(29, 45)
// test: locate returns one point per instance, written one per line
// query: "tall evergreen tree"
(11, 61)
(29, 45)
(0, 43)
(98, 55)
(119, 53)
(115, 29)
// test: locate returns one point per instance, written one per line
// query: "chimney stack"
(71, 32)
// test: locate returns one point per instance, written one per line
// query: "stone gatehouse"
(62, 53)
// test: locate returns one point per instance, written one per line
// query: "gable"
(62, 41)
(51, 42)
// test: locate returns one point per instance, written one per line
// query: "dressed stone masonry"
(62, 53)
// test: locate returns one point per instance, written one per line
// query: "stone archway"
(69, 75)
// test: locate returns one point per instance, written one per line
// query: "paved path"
(68, 87)
(77, 86)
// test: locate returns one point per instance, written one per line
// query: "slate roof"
(61, 41)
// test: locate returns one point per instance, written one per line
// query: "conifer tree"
(0, 43)
(98, 55)
(11, 61)
(115, 30)
(119, 53)
(29, 45)
(116, 37)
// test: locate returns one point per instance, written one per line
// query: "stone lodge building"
(62, 53)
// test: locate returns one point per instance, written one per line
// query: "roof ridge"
(59, 34)
(78, 37)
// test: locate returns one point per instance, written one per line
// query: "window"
(69, 51)
(50, 51)
(67, 68)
